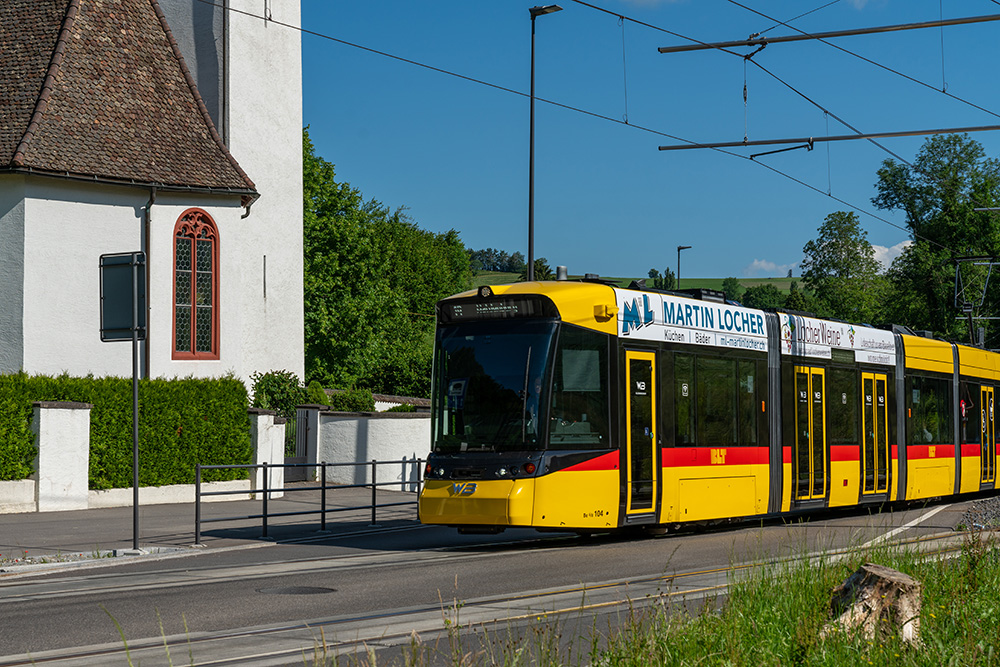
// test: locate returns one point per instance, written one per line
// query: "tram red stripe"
(845, 453)
(918, 452)
(607, 461)
(971, 449)
(677, 457)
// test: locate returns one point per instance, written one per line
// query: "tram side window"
(716, 398)
(842, 407)
(747, 396)
(580, 391)
(971, 427)
(928, 410)
(684, 399)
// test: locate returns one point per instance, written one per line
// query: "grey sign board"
(123, 275)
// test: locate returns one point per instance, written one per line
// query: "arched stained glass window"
(196, 286)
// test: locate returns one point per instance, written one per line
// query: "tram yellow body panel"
(971, 467)
(786, 486)
(978, 363)
(894, 467)
(578, 499)
(931, 477)
(586, 305)
(498, 502)
(845, 483)
(704, 493)
(928, 354)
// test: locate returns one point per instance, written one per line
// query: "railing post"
(197, 504)
(322, 497)
(374, 477)
(264, 508)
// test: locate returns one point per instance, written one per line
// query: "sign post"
(123, 317)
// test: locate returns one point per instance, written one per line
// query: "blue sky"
(455, 153)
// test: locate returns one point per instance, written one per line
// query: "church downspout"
(149, 291)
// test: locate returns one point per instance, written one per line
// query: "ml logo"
(636, 316)
(463, 488)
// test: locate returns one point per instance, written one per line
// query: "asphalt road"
(266, 605)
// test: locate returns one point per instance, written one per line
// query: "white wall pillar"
(267, 437)
(62, 469)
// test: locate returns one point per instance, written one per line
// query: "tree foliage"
(542, 270)
(496, 260)
(666, 281)
(841, 270)
(762, 296)
(950, 177)
(371, 279)
(732, 288)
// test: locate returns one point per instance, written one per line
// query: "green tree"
(797, 299)
(762, 296)
(542, 270)
(950, 177)
(371, 279)
(733, 289)
(841, 270)
(665, 281)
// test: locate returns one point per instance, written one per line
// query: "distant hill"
(783, 284)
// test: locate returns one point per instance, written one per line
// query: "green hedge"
(181, 422)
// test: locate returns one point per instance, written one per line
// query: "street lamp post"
(679, 248)
(534, 11)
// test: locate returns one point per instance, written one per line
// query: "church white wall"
(265, 137)
(67, 227)
(11, 273)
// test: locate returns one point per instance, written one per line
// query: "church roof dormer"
(98, 89)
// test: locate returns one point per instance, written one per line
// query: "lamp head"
(543, 9)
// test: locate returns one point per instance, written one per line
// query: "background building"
(171, 127)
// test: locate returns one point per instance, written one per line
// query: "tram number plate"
(596, 514)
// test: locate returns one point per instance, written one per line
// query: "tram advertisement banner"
(661, 317)
(808, 337)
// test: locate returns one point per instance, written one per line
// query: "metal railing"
(324, 486)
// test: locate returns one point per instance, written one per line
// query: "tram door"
(875, 448)
(640, 411)
(988, 462)
(810, 433)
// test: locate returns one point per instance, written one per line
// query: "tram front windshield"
(491, 381)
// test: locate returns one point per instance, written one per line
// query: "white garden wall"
(402, 438)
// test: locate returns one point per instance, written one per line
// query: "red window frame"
(193, 227)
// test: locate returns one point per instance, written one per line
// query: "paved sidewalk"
(100, 532)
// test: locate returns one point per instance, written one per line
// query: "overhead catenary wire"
(494, 86)
(993, 17)
(796, 18)
(757, 40)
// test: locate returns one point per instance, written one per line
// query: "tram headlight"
(502, 472)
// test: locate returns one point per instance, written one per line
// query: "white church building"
(170, 127)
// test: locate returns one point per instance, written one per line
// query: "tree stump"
(878, 601)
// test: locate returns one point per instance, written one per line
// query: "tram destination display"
(497, 308)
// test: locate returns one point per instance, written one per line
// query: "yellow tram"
(575, 405)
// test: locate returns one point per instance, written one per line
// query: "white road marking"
(906, 526)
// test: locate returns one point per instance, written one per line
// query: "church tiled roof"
(99, 89)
